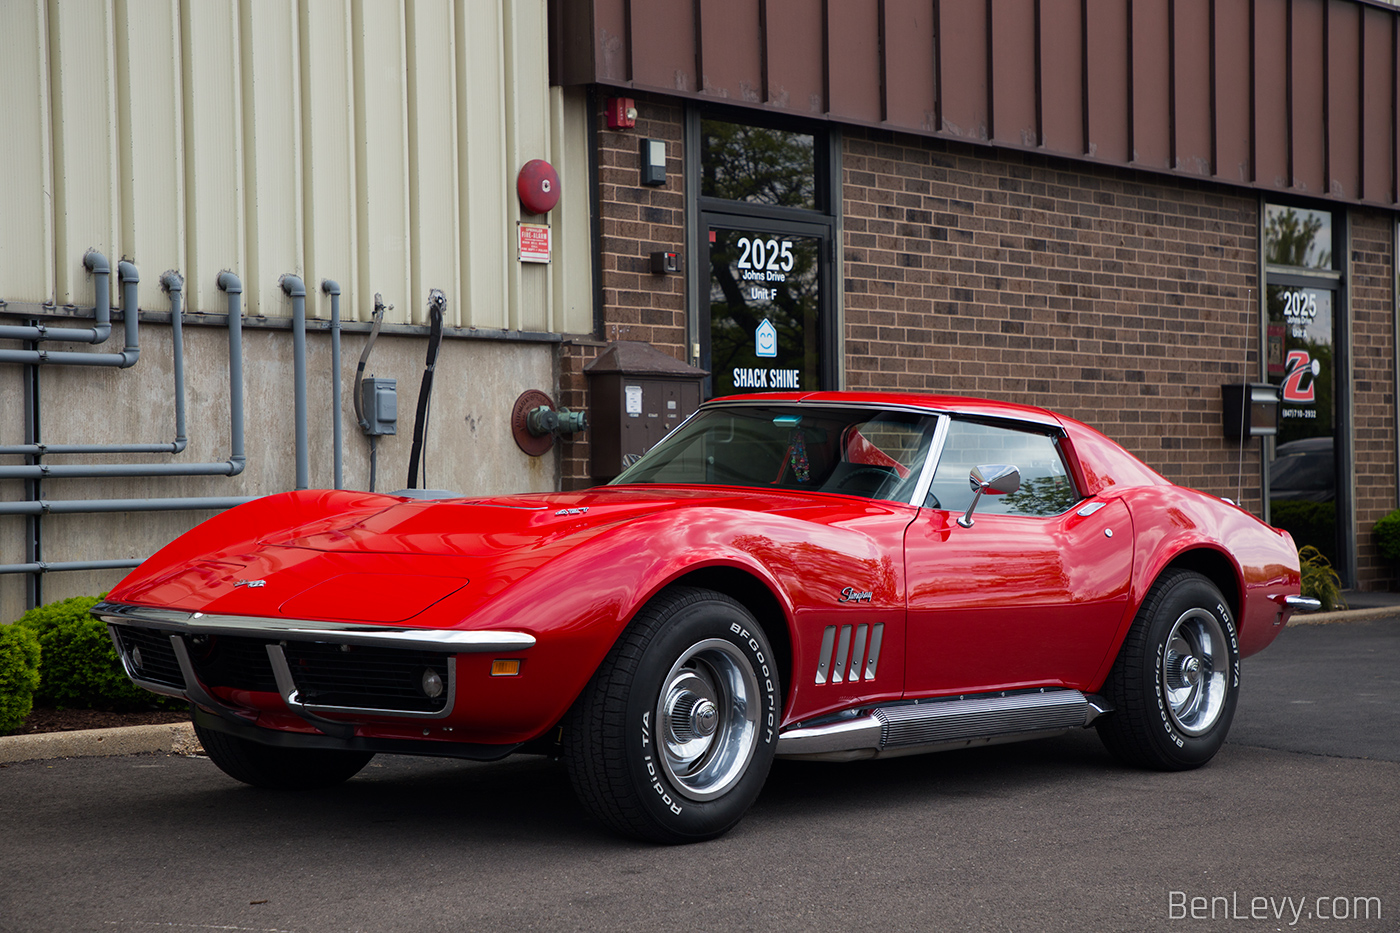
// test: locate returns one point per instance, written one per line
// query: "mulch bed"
(48, 719)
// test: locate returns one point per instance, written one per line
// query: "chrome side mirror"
(995, 478)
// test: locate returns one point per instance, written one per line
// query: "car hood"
(387, 560)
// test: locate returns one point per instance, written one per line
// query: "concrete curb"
(1344, 615)
(176, 738)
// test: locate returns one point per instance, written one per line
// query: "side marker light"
(505, 667)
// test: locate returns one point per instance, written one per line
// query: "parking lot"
(1299, 813)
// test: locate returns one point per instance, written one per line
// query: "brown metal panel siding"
(731, 44)
(1014, 75)
(1233, 67)
(1109, 80)
(1151, 85)
(1192, 143)
(796, 56)
(1376, 89)
(610, 52)
(909, 63)
(663, 45)
(1062, 76)
(1344, 100)
(1286, 95)
(1309, 102)
(1271, 156)
(962, 79)
(853, 60)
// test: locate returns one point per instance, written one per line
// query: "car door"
(1033, 592)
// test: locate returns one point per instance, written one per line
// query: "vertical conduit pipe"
(295, 289)
(332, 288)
(129, 278)
(174, 286)
(232, 286)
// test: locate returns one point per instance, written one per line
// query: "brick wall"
(635, 220)
(1119, 298)
(1373, 386)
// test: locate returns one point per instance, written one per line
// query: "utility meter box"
(637, 395)
(1249, 409)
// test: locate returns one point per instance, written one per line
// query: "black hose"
(437, 305)
(379, 308)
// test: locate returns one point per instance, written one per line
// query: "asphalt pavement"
(1292, 827)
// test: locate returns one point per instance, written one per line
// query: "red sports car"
(826, 576)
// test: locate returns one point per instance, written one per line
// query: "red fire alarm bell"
(622, 113)
(538, 186)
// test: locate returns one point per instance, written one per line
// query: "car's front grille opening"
(349, 676)
(233, 661)
(369, 677)
(150, 655)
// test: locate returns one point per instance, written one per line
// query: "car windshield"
(850, 451)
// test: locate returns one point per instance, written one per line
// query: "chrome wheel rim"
(707, 719)
(1195, 671)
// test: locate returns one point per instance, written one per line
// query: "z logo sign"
(1299, 368)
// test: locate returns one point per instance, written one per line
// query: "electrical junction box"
(379, 400)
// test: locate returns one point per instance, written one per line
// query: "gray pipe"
(97, 264)
(230, 467)
(295, 289)
(44, 566)
(333, 289)
(93, 261)
(173, 284)
(233, 287)
(91, 506)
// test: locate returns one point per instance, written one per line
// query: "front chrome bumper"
(265, 644)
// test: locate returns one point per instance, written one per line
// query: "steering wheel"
(881, 473)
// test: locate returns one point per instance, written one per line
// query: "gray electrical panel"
(379, 400)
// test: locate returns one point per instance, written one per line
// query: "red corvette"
(828, 576)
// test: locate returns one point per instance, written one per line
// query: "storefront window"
(764, 300)
(1303, 302)
(1298, 237)
(757, 165)
(766, 237)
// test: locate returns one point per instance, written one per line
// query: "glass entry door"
(767, 327)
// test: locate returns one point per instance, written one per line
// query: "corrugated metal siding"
(374, 143)
(1288, 95)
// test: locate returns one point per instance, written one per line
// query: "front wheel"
(1176, 680)
(672, 739)
(277, 768)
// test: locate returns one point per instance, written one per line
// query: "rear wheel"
(279, 768)
(672, 739)
(1176, 680)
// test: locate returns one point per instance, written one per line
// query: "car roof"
(933, 404)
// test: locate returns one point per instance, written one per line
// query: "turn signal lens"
(505, 667)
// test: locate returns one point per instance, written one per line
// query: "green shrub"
(1388, 536)
(19, 675)
(81, 668)
(1310, 523)
(1320, 581)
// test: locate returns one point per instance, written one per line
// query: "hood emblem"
(852, 595)
(578, 511)
(251, 584)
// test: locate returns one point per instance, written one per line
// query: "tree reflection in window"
(1297, 237)
(1042, 496)
(757, 165)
